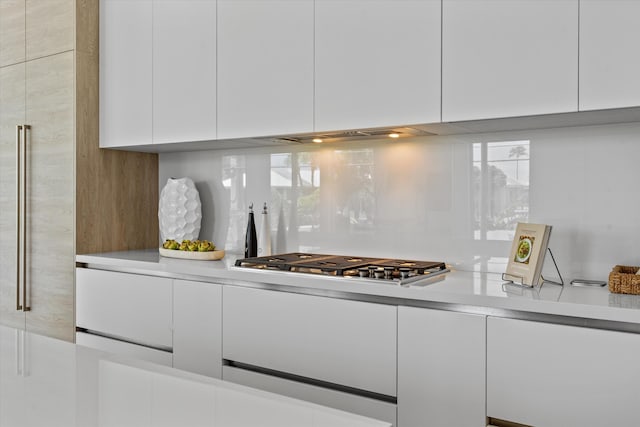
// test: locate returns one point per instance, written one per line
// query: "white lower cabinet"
(131, 307)
(441, 368)
(329, 351)
(550, 375)
(384, 411)
(343, 342)
(197, 327)
(171, 322)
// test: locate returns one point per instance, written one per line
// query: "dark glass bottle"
(251, 240)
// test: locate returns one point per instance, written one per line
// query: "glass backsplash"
(446, 198)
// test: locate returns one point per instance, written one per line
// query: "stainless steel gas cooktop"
(397, 271)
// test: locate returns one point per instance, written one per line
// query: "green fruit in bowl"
(190, 245)
(170, 244)
(206, 246)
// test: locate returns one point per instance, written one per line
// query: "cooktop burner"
(396, 270)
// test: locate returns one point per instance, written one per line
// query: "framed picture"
(527, 253)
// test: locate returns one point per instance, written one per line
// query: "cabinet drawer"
(359, 405)
(124, 348)
(542, 374)
(130, 306)
(338, 341)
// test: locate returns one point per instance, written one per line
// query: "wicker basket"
(624, 280)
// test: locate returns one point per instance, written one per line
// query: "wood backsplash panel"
(116, 191)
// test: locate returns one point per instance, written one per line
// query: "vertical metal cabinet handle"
(18, 213)
(25, 306)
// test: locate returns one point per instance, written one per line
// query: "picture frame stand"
(519, 280)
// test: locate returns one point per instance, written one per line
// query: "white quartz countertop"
(473, 291)
(47, 382)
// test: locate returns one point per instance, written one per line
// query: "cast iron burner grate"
(337, 265)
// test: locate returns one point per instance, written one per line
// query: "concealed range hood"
(559, 120)
(348, 135)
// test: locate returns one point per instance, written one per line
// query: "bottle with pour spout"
(251, 240)
(264, 238)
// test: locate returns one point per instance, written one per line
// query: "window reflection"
(309, 211)
(234, 182)
(500, 188)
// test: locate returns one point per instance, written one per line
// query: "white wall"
(418, 198)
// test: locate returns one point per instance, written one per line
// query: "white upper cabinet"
(609, 58)
(265, 67)
(157, 71)
(125, 72)
(184, 70)
(509, 58)
(377, 63)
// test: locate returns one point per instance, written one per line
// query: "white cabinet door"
(509, 58)
(125, 72)
(338, 341)
(377, 63)
(441, 368)
(265, 67)
(197, 327)
(553, 375)
(132, 307)
(609, 59)
(184, 70)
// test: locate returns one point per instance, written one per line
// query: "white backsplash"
(445, 198)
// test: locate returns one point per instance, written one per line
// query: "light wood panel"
(50, 27)
(50, 221)
(12, 106)
(12, 33)
(87, 27)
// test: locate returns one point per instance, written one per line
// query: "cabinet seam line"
(153, 80)
(217, 35)
(313, 109)
(441, 56)
(578, 85)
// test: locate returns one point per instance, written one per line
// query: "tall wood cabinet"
(77, 198)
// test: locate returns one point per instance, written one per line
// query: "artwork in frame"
(527, 253)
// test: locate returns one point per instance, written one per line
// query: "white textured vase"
(179, 210)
